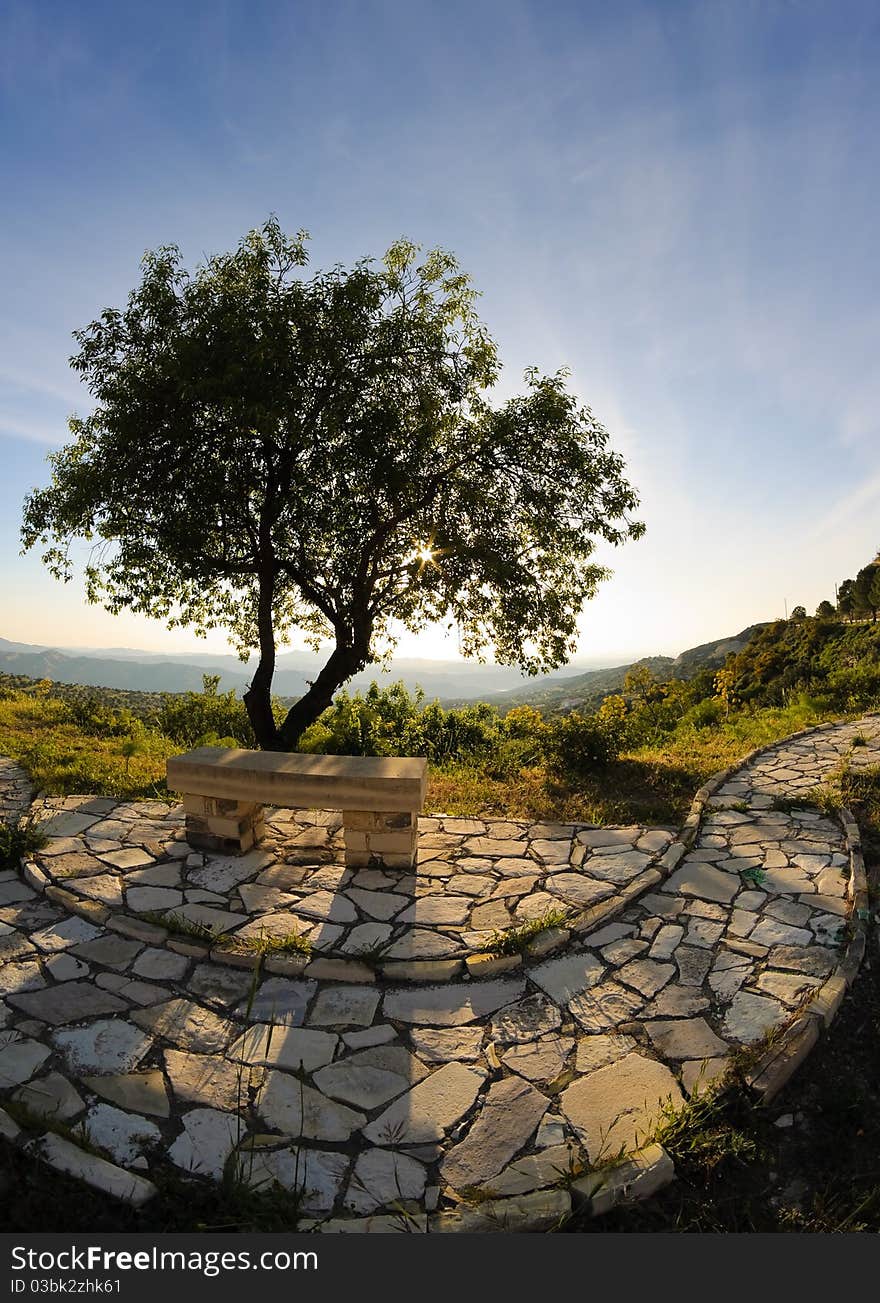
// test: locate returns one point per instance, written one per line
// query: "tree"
(846, 600)
(865, 591)
(270, 451)
(825, 611)
(799, 613)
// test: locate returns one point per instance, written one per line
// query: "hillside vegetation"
(639, 755)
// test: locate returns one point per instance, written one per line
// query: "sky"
(677, 201)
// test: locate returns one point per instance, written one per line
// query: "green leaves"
(267, 448)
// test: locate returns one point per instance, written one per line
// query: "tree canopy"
(270, 451)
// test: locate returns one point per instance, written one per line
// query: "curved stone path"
(463, 1102)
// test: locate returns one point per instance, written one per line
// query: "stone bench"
(224, 792)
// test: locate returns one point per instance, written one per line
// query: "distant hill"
(591, 688)
(130, 670)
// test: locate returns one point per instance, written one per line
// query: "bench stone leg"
(232, 827)
(391, 838)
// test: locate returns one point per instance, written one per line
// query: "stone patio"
(399, 1066)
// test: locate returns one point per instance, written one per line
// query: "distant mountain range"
(556, 692)
(453, 682)
(140, 671)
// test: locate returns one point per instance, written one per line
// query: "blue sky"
(678, 201)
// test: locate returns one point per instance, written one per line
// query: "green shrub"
(577, 745)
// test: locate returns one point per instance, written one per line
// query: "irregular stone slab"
(725, 982)
(187, 1025)
(696, 879)
(13, 944)
(112, 951)
(51, 1097)
(143, 899)
(543, 1210)
(379, 1034)
(344, 1006)
(122, 1135)
(425, 1113)
(813, 961)
(219, 984)
(161, 875)
(442, 1044)
(380, 905)
(209, 1080)
(21, 977)
(646, 975)
(96, 1172)
(360, 1083)
(433, 910)
(685, 1038)
(317, 1174)
(526, 1021)
(620, 1106)
(327, 908)
(676, 1002)
(693, 965)
(599, 1050)
(66, 824)
(294, 1048)
(508, 1118)
(109, 1046)
(535, 1172)
(601, 837)
(605, 1007)
(130, 857)
(576, 889)
(280, 1000)
(619, 869)
(621, 951)
(104, 887)
(206, 1142)
(789, 987)
(769, 932)
(13, 890)
(420, 943)
(551, 852)
(259, 899)
(568, 976)
(69, 1002)
(64, 968)
(750, 1016)
(19, 1058)
(381, 1178)
(217, 921)
(495, 848)
(223, 875)
(162, 964)
(666, 941)
(68, 932)
(443, 1006)
(137, 1092)
(699, 1075)
(540, 1060)
(298, 1110)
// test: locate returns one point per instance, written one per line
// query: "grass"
(650, 784)
(180, 926)
(264, 944)
(516, 940)
(267, 944)
(62, 760)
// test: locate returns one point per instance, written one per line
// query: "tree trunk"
(343, 662)
(258, 698)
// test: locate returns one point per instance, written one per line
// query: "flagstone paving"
(335, 1073)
